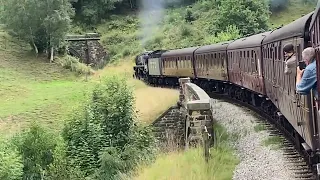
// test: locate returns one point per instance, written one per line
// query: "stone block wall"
(170, 128)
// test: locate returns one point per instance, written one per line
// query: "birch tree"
(42, 23)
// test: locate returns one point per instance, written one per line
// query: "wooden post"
(206, 144)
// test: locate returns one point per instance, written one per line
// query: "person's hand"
(299, 72)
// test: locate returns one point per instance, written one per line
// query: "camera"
(302, 65)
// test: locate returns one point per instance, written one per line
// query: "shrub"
(40, 154)
(61, 169)
(74, 65)
(103, 139)
(36, 147)
(10, 162)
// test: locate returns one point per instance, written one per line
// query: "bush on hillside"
(73, 63)
(248, 16)
(10, 162)
(36, 147)
(104, 139)
(43, 155)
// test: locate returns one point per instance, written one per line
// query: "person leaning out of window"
(307, 78)
(290, 58)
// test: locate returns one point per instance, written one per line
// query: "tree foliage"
(248, 16)
(42, 23)
(93, 11)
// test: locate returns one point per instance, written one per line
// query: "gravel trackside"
(257, 161)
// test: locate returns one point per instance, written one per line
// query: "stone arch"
(88, 49)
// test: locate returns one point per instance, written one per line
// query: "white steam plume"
(151, 14)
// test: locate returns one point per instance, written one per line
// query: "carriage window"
(256, 62)
(279, 51)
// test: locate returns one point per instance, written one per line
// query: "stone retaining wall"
(169, 128)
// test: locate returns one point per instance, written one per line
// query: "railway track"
(296, 159)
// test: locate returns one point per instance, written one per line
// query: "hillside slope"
(294, 10)
(32, 89)
(122, 34)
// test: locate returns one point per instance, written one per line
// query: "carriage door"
(304, 103)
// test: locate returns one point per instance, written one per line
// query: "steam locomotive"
(251, 69)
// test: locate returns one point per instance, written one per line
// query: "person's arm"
(287, 70)
(305, 81)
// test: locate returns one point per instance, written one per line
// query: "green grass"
(33, 89)
(274, 141)
(191, 164)
(259, 127)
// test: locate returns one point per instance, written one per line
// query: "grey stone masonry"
(169, 128)
(87, 48)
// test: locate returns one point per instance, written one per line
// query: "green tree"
(248, 16)
(42, 23)
(93, 11)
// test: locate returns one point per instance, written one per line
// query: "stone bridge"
(87, 48)
(186, 123)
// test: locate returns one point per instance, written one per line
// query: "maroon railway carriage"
(280, 87)
(245, 62)
(211, 65)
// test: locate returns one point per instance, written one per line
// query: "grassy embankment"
(34, 90)
(190, 164)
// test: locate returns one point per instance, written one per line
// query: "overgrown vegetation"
(99, 142)
(191, 164)
(74, 65)
(106, 128)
